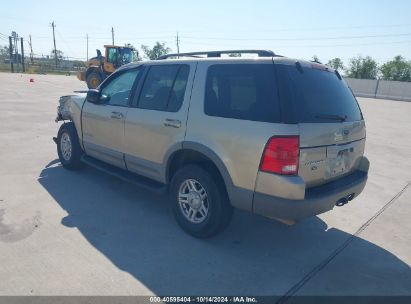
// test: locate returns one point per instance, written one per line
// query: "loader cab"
(118, 56)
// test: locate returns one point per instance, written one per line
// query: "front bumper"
(317, 199)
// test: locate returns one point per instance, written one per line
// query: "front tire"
(68, 147)
(93, 80)
(201, 206)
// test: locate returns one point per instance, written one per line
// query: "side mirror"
(93, 96)
(104, 98)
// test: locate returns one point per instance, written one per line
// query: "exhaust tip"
(341, 202)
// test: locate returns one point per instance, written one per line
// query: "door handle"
(117, 115)
(174, 123)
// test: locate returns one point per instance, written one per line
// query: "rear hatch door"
(331, 126)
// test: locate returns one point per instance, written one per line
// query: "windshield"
(126, 55)
(315, 95)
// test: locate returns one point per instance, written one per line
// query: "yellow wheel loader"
(99, 67)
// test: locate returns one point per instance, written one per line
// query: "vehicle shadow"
(135, 230)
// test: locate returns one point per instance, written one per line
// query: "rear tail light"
(280, 155)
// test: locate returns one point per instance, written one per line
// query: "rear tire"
(68, 147)
(201, 206)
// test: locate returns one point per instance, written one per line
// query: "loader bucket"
(81, 75)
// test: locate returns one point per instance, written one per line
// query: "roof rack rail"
(260, 53)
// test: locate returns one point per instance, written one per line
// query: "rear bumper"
(317, 199)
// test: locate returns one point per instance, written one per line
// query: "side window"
(164, 88)
(246, 91)
(112, 55)
(118, 90)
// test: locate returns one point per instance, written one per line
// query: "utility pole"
(31, 51)
(112, 35)
(178, 44)
(54, 40)
(87, 45)
(15, 48)
(11, 54)
(22, 55)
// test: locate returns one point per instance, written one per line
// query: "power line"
(97, 29)
(64, 41)
(305, 29)
(275, 29)
(297, 45)
(301, 38)
(151, 38)
(107, 37)
(42, 56)
(359, 44)
(3, 37)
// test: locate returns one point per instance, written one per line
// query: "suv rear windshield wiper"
(332, 117)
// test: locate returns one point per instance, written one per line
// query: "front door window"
(117, 91)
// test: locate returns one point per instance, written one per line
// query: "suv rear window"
(242, 91)
(316, 95)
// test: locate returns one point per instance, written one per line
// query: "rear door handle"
(117, 115)
(174, 123)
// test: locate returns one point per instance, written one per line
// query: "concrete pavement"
(86, 233)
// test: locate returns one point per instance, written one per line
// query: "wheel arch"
(239, 197)
(74, 162)
(191, 153)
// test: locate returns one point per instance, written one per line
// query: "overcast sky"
(298, 29)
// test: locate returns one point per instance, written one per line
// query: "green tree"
(156, 51)
(336, 64)
(60, 55)
(78, 64)
(136, 56)
(4, 52)
(316, 59)
(397, 69)
(362, 67)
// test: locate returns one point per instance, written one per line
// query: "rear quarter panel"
(239, 144)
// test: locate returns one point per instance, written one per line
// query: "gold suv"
(279, 137)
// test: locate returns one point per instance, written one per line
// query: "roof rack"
(260, 53)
